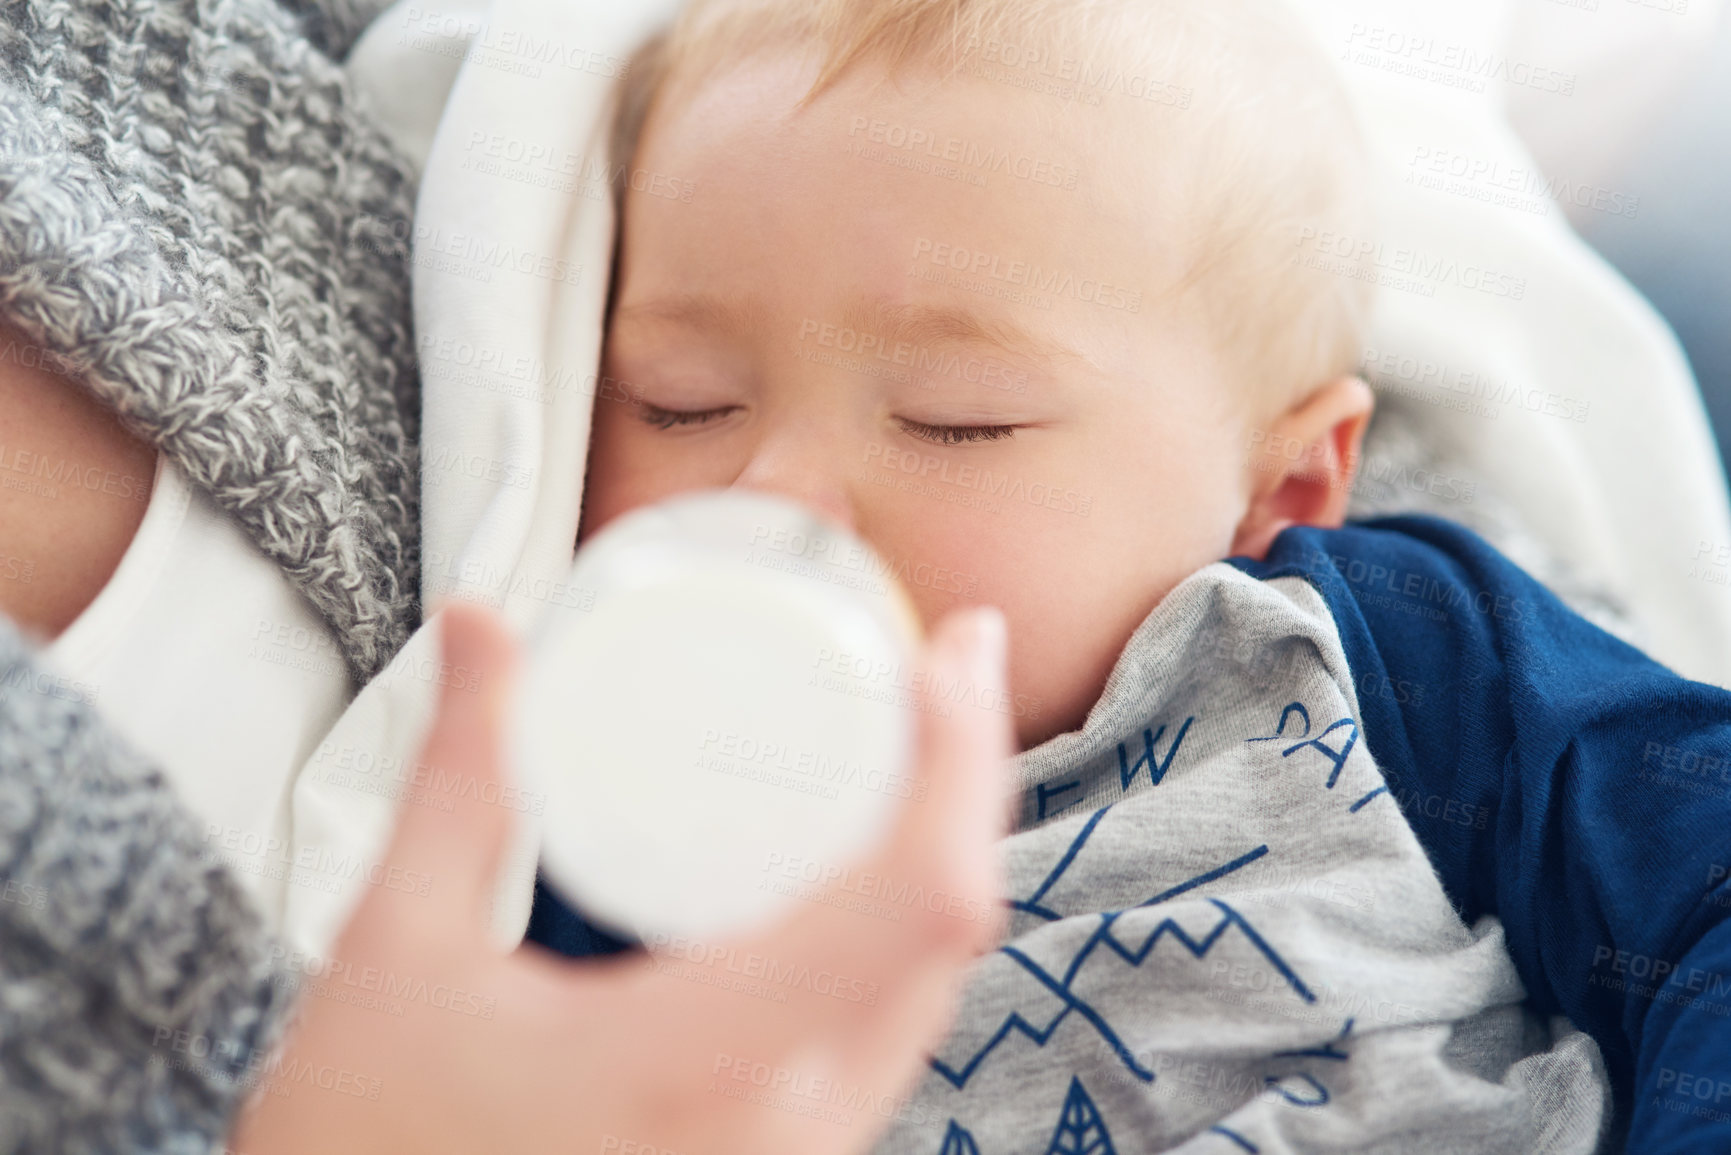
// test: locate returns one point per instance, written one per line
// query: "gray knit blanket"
(200, 222)
(196, 214)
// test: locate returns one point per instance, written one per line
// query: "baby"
(1011, 289)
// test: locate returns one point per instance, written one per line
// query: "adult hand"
(632, 1054)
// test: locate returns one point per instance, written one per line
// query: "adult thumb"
(454, 822)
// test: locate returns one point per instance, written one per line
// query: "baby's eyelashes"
(661, 418)
(956, 434)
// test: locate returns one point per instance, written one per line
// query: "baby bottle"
(724, 726)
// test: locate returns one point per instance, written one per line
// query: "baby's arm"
(1562, 781)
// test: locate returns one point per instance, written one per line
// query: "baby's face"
(964, 362)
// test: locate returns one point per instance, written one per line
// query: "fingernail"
(984, 643)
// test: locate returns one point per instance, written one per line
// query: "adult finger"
(965, 744)
(450, 829)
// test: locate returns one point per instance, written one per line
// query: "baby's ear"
(1302, 467)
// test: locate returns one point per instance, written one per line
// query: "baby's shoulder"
(1459, 657)
(1425, 594)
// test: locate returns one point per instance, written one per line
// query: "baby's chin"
(1054, 710)
(1035, 730)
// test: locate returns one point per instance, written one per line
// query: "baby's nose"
(827, 502)
(802, 469)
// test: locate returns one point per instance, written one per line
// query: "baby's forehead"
(904, 99)
(968, 153)
(1114, 161)
(963, 209)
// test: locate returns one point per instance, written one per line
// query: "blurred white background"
(1651, 120)
(1618, 101)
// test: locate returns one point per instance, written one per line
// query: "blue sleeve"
(1560, 780)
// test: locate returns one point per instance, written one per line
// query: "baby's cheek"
(944, 558)
(615, 483)
(946, 561)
